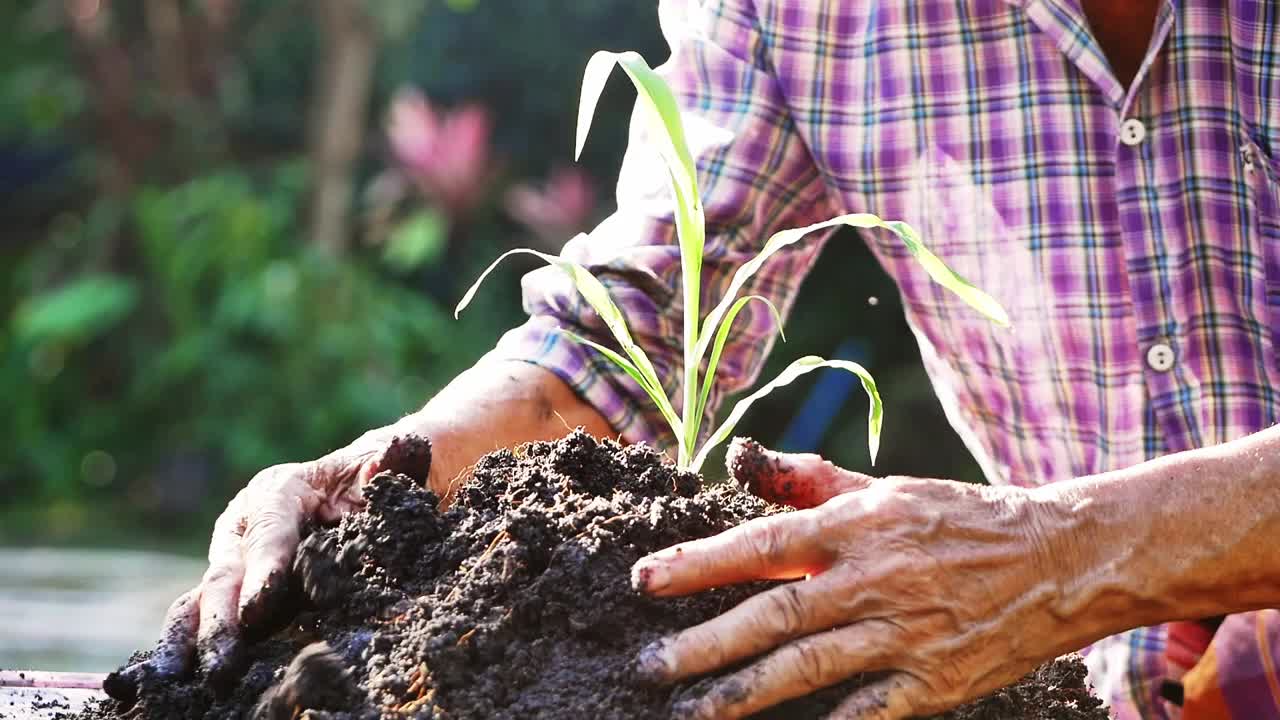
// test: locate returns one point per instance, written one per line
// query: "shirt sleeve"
(756, 176)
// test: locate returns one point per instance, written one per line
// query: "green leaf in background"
(875, 416)
(399, 18)
(417, 241)
(80, 310)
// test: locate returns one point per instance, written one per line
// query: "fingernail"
(122, 685)
(651, 662)
(650, 576)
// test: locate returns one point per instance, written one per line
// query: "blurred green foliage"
(167, 326)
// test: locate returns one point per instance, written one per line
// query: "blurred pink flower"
(559, 209)
(446, 152)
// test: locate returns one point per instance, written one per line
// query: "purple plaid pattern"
(1107, 220)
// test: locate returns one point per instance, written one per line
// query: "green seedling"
(657, 108)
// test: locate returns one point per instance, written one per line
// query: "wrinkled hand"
(942, 588)
(249, 563)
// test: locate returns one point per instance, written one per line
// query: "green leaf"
(660, 112)
(937, 270)
(417, 241)
(794, 370)
(945, 276)
(656, 394)
(722, 335)
(656, 102)
(80, 310)
(598, 297)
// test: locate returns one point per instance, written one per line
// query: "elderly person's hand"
(254, 541)
(250, 556)
(948, 591)
(949, 588)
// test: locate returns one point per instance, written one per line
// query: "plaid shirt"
(1133, 234)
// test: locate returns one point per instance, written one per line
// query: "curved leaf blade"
(945, 276)
(660, 112)
(775, 243)
(655, 100)
(657, 394)
(722, 336)
(932, 264)
(598, 297)
(807, 364)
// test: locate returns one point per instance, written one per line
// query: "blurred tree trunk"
(349, 44)
(108, 72)
(164, 25)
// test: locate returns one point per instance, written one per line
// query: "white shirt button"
(1160, 357)
(1132, 131)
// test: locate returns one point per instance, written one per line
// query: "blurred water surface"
(84, 610)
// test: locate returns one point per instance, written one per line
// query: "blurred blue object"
(24, 165)
(829, 393)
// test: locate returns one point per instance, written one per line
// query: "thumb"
(799, 480)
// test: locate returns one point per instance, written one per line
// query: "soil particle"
(515, 602)
(318, 678)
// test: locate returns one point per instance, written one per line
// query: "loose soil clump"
(515, 602)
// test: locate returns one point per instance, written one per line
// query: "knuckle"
(907, 701)
(231, 521)
(872, 703)
(766, 542)
(888, 500)
(183, 604)
(220, 574)
(787, 612)
(703, 644)
(277, 476)
(269, 524)
(951, 682)
(812, 663)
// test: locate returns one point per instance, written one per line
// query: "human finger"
(780, 546)
(758, 624)
(270, 539)
(172, 655)
(218, 641)
(798, 480)
(893, 697)
(794, 670)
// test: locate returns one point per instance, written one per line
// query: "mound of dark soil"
(514, 603)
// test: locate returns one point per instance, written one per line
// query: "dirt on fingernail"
(514, 602)
(122, 685)
(641, 577)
